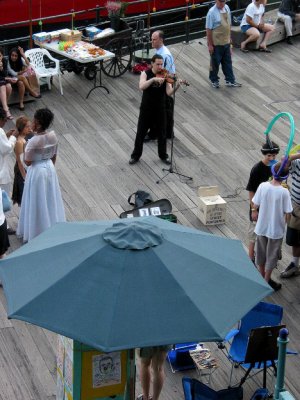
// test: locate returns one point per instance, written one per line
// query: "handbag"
(29, 71)
(6, 202)
(140, 198)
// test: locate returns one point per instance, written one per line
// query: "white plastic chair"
(36, 58)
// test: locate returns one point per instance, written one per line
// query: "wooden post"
(149, 15)
(30, 23)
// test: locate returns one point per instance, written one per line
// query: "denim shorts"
(244, 28)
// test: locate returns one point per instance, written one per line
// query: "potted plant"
(115, 10)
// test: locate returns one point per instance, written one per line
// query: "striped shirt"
(295, 173)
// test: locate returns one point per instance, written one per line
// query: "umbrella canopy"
(136, 283)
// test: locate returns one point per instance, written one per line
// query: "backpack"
(140, 198)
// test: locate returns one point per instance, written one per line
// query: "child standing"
(275, 206)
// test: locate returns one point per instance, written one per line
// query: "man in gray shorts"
(275, 206)
(152, 357)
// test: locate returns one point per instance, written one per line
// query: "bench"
(279, 34)
(14, 97)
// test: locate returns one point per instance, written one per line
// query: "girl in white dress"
(42, 204)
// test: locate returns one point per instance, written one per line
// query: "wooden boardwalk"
(218, 138)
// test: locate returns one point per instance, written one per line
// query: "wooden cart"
(119, 43)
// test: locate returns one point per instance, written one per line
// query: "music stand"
(262, 347)
(171, 169)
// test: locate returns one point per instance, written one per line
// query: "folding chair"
(196, 390)
(262, 315)
(179, 357)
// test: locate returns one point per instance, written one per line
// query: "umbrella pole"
(129, 393)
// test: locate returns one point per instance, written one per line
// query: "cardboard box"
(212, 208)
(41, 37)
(70, 36)
(91, 31)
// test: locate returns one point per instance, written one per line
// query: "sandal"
(22, 108)
(265, 50)
(36, 96)
(8, 115)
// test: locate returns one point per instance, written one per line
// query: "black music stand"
(171, 169)
(262, 347)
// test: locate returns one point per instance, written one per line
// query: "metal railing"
(189, 28)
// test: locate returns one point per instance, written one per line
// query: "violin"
(170, 78)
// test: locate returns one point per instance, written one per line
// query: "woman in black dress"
(4, 241)
(23, 125)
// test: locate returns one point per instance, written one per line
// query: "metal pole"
(279, 386)
(30, 23)
(187, 26)
(97, 14)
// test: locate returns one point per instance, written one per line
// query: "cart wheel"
(121, 62)
(78, 68)
(90, 72)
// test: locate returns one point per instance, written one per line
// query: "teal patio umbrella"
(131, 283)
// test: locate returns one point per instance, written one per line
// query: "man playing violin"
(157, 40)
(153, 109)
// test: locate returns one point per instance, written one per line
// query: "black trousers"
(169, 120)
(148, 119)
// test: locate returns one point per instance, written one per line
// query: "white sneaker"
(215, 85)
(291, 270)
(233, 84)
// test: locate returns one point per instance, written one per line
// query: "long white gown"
(42, 204)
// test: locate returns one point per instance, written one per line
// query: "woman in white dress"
(42, 204)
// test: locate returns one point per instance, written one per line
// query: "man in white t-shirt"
(253, 24)
(275, 207)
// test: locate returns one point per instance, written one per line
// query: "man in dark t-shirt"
(152, 110)
(261, 172)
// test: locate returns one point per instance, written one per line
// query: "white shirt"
(6, 147)
(168, 59)
(274, 202)
(2, 216)
(253, 12)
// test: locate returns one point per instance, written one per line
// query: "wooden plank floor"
(218, 137)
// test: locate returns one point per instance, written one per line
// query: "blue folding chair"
(179, 357)
(262, 315)
(196, 390)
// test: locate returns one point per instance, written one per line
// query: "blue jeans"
(221, 55)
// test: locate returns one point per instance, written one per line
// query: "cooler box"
(212, 208)
(84, 373)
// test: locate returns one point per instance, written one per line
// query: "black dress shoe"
(10, 231)
(133, 161)
(166, 161)
(289, 40)
(275, 285)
